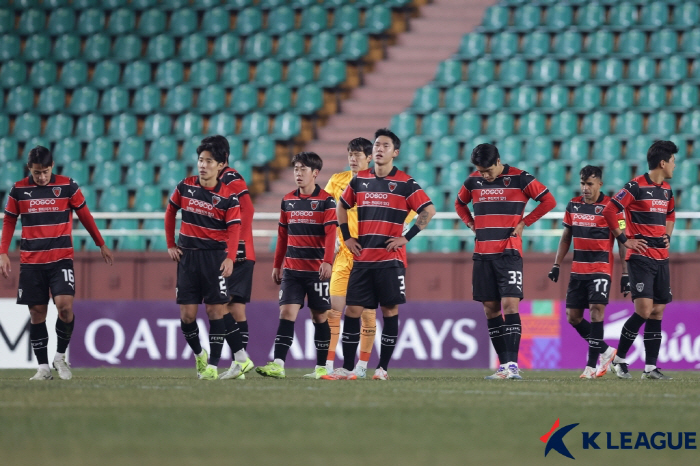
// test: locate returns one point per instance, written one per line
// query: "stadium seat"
(495, 18)
(619, 97)
(690, 45)
(286, 126)
(567, 44)
(690, 123)
(9, 47)
(631, 44)
(435, 125)
(618, 173)
(377, 20)
(323, 45)
(686, 174)
(309, 100)
(686, 15)
(97, 48)
(244, 99)
(437, 195)
(20, 100)
(424, 173)
(126, 48)
(249, 21)
(146, 100)
(467, 126)
(290, 46)
(554, 98)
(503, 45)
(215, 21)
(267, 73)
(169, 73)
(121, 21)
(684, 97)
(65, 151)
(332, 73)
(171, 174)
(527, 17)
(31, 21)
(622, 16)
(544, 71)
(162, 47)
(313, 20)
(637, 147)
(221, 123)
(37, 47)
(78, 171)
(136, 74)
(532, 124)
(654, 16)
(188, 124)
(4, 124)
(425, 100)
(413, 149)
(599, 44)
(27, 125)
(546, 244)
(148, 199)
(278, 98)
(355, 46)
(444, 150)
(114, 100)
(472, 46)
(691, 199)
(226, 47)
(281, 20)
(345, 19)
(661, 124)
(457, 99)
(151, 22)
(607, 149)
(587, 98)
(89, 127)
(552, 174)
(455, 174)
(163, 150)
(122, 126)
(511, 149)
(576, 71)
(540, 149)
(575, 150)
(559, 17)
(140, 174)
(9, 149)
(211, 99)
(480, 72)
(672, 70)
(10, 173)
(99, 150)
(609, 71)
(106, 74)
(235, 73)
(124, 224)
(83, 100)
(178, 99)
(91, 21)
(598, 124)
(419, 244)
(107, 174)
(7, 21)
(490, 98)
(591, 17)
(512, 72)
(261, 151)
(628, 123)
(192, 48)
(183, 22)
(564, 124)
(114, 199)
(535, 45)
(58, 127)
(663, 43)
(500, 124)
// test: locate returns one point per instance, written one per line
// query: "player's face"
(669, 166)
(208, 167)
(358, 161)
(40, 174)
(304, 176)
(590, 188)
(492, 172)
(383, 151)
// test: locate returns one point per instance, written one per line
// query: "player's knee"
(574, 318)
(65, 313)
(597, 312)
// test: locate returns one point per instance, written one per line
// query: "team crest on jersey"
(314, 204)
(640, 287)
(506, 181)
(666, 193)
(598, 209)
(215, 200)
(392, 186)
(56, 191)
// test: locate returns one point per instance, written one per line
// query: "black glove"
(554, 273)
(625, 285)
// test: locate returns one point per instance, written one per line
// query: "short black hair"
(217, 146)
(40, 155)
(658, 151)
(591, 170)
(387, 132)
(308, 159)
(360, 145)
(485, 155)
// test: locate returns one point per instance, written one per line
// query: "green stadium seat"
(9, 47)
(183, 22)
(564, 124)
(591, 17)
(609, 71)
(618, 97)
(345, 19)
(261, 151)
(249, 21)
(5, 124)
(377, 20)
(7, 21)
(587, 98)
(9, 149)
(503, 45)
(89, 127)
(106, 74)
(188, 124)
(97, 48)
(575, 150)
(31, 21)
(244, 99)
(554, 98)
(495, 18)
(526, 17)
(151, 22)
(148, 199)
(682, 145)
(169, 73)
(9, 175)
(631, 43)
(599, 44)
(91, 21)
(313, 20)
(157, 243)
(126, 48)
(622, 16)
(472, 46)
(178, 99)
(52, 99)
(211, 99)
(663, 43)
(281, 20)
(171, 174)
(355, 46)
(637, 147)
(690, 123)
(413, 150)
(140, 174)
(278, 98)
(136, 74)
(122, 126)
(61, 21)
(37, 47)
(38, 141)
(215, 22)
(267, 73)
(455, 174)
(309, 100)
(618, 173)
(449, 73)
(121, 21)
(146, 100)
(576, 71)
(686, 15)
(404, 125)
(419, 244)
(511, 149)
(535, 45)
(691, 199)
(532, 124)
(481, 72)
(559, 17)
(125, 224)
(332, 73)
(686, 174)
(257, 47)
(437, 195)
(286, 126)
(66, 150)
(500, 124)
(221, 123)
(424, 173)
(114, 100)
(114, 199)
(490, 98)
(661, 124)
(323, 46)
(78, 171)
(143, 4)
(552, 174)
(83, 100)
(467, 126)
(629, 123)
(539, 149)
(457, 99)
(444, 150)
(684, 97)
(235, 73)
(672, 70)
(690, 45)
(607, 149)
(435, 125)
(20, 100)
(245, 169)
(107, 174)
(162, 47)
(654, 16)
(544, 71)
(425, 100)
(226, 47)
(290, 46)
(512, 72)
(74, 74)
(91, 203)
(99, 150)
(567, 44)
(163, 150)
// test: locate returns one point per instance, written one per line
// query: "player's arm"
(233, 228)
(8, 229)
(619, 202)
(539, 192)
(88, 222)
(463, 198)
(424, 216)
(624, 278)
(174, 204)
(330, 225)
(247, 212)
(280, 247)
(562, 251)
(347, 201)
(670, 220)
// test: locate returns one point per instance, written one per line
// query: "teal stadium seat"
(661, 124)
(686, 15)
(146, 100)
(106, 74)
(332, 73)
(552, 174)
(590, 17)
(437, 195)
(609, 71)
(9, 149)
(244, 99)
(690, 45)
(567, 44)
(171, 174)
(267, 73)
(80, 172)
(188, 124)
(631, 43)
(7, 21)
(66, 150)
(286, 127)
(261, 151)
(148, 199)
(618, 173)
(89, 127)
(37, 47)
(91, 21)
(444, 150)
(126, 48)
(121, 21)
(74, 74)
(9, 47)
(495, 18)
(323, 45)
(20, 100)
(672, 70)
(455, 174)
(527, 17)
(281, 20)
(554, 98)
(532, 124)
(99, 150)
(169, 73)
(684, 97)
(278, 99)
(131, 149)
(435, 125)
(607, 149)
(377, 20)
(211, 99)
(162, 47)
(4, 124)
(599, 44)
(178, 99)
(413, 149)
(58, 127)
(151, 22)
(472, 46)
(598, 124)
(629, 123)
(163, 150)
(511, 148)
(114, 199)
(481, 72)
(512, 72)
(90, 201)
(457, 99)
(539, 149)
(226, 47)
(559, 17)
(61, 21)
(114, 100)
(637, 147)
(663, 43)
(564, 124)
(500, 124)
(10, 174)
(136, 74)
(576, 71)
(575, 150)
(535, 45)
(355, 46)
(235, 73)
(622, 16)
(215, 21)
(545, 71)
(425, 100)
(654, 16)
(503, 45)
(31, 21)
(83, 100)
(467, 126)
(490, 99)
(221, 123)
(345, 19)
(249, 21)
(27, 125)
(449, 73)
(587, 98)
(424, 173)
(290, 46)
(183, 22)
(140, 174)
(313, 20)
(107, 174)
(97, 48)
(619, 97)
(309, 100)
(686, 174)
(690, 123)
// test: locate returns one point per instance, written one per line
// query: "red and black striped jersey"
(498, 208)
(235, 181)
(382, 206)
(307, 230)
(206, 214)
(648, 207)
(593, 240)
(46, 213)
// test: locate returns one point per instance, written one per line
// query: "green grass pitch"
(420, 417)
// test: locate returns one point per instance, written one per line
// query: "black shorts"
(582, 293)
(650, 278)
(35, 282)
(299, 285)
(240, 283)
(199, 277)
(499, 278)
(370, 288)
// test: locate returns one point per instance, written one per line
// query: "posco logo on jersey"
(658, 202)
(491, 191)
(584, 217)
(42, 202)
(301, 213)
(376, 195)
(202, 204)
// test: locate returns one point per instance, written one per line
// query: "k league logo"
(555, 440)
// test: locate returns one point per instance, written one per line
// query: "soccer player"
(499, 193)
(205, 252)
(302, 264)
(45, 202)
(384, 195)
(591, 270)
(650, 212)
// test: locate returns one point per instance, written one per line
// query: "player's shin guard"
(652, 341)
(217, 334)
(191, 333)
(390, 334)
(322, 339)
(243, 329)
(334, 324)
(64, 330)
(234, 338)
(595, 343)
(583, 328)
(39, 337)
(512, 333)
(498, 341)
(367, 333)
(351, 338)
(284, 339)
(629, 334)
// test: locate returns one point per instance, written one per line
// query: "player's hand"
(394, 244)
(554, 274)
(625, 285)
(470, 225)
(667, 240)
(106, 254)
(324, 272)
(226, 267)
(637, 245)
(518, 231)
(354, 246)
(277, 276)
(175, 253)
(5, 265)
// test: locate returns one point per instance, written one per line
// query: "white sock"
(619, 360)
(59, 356)
(362, 364)
(241, 356)
(649, 367)
(319, 367)
(280, 362)
(329, 366)
(44, 366)
(607, 352)
(512, 363)
(209, 365)
(201, 354)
